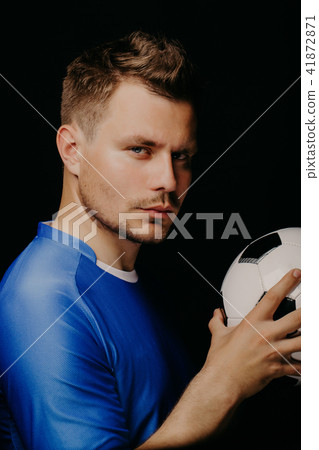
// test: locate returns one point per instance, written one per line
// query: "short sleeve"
(58, 382)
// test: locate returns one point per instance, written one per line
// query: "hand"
(240, 362)
(257, 350)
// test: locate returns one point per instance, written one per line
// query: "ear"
(67, 140)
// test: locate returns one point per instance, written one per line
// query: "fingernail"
(297, 273)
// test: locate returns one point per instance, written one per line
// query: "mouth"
(158, 211)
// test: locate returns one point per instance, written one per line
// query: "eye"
(181, 156)
(138, 150)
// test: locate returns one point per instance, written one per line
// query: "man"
(87, 360)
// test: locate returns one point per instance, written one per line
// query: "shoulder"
(40, 304)
(45, 269)
(40, 289)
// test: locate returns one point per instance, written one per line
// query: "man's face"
(143, 148)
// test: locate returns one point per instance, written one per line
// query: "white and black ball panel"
(252, 290)
(287, 306)
(232, 266)
(277, 263)
(259, 267)
(273, 254)
(296, 356)
(290, 235)
(257, 249)
(232, 322)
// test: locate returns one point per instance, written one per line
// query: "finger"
(270, 302)
(288, 323)
(293, 368)
(217, 321)
(289, 345)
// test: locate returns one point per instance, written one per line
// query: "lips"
(160, 209)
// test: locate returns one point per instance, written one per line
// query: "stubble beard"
(112, 225)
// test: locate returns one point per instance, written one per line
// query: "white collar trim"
(130, 277)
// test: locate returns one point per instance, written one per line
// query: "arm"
(61, 392)
(241, 361)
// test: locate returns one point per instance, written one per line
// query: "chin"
(148, 237)
(139, 239)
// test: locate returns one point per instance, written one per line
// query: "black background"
(249, 54)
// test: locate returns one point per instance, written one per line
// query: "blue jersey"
(86, 360)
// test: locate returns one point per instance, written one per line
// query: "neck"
(108, 248)
(119, 253)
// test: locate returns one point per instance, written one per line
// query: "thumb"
(218, 320)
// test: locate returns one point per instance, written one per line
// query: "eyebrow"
(142, 140)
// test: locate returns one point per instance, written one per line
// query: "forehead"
(134, 110)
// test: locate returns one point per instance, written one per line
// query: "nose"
(163, 176)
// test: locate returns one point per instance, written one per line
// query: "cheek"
(123, 176)
(183, 178)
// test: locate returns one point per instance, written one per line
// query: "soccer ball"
(256, 269)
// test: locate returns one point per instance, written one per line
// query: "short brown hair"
(160, 63)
